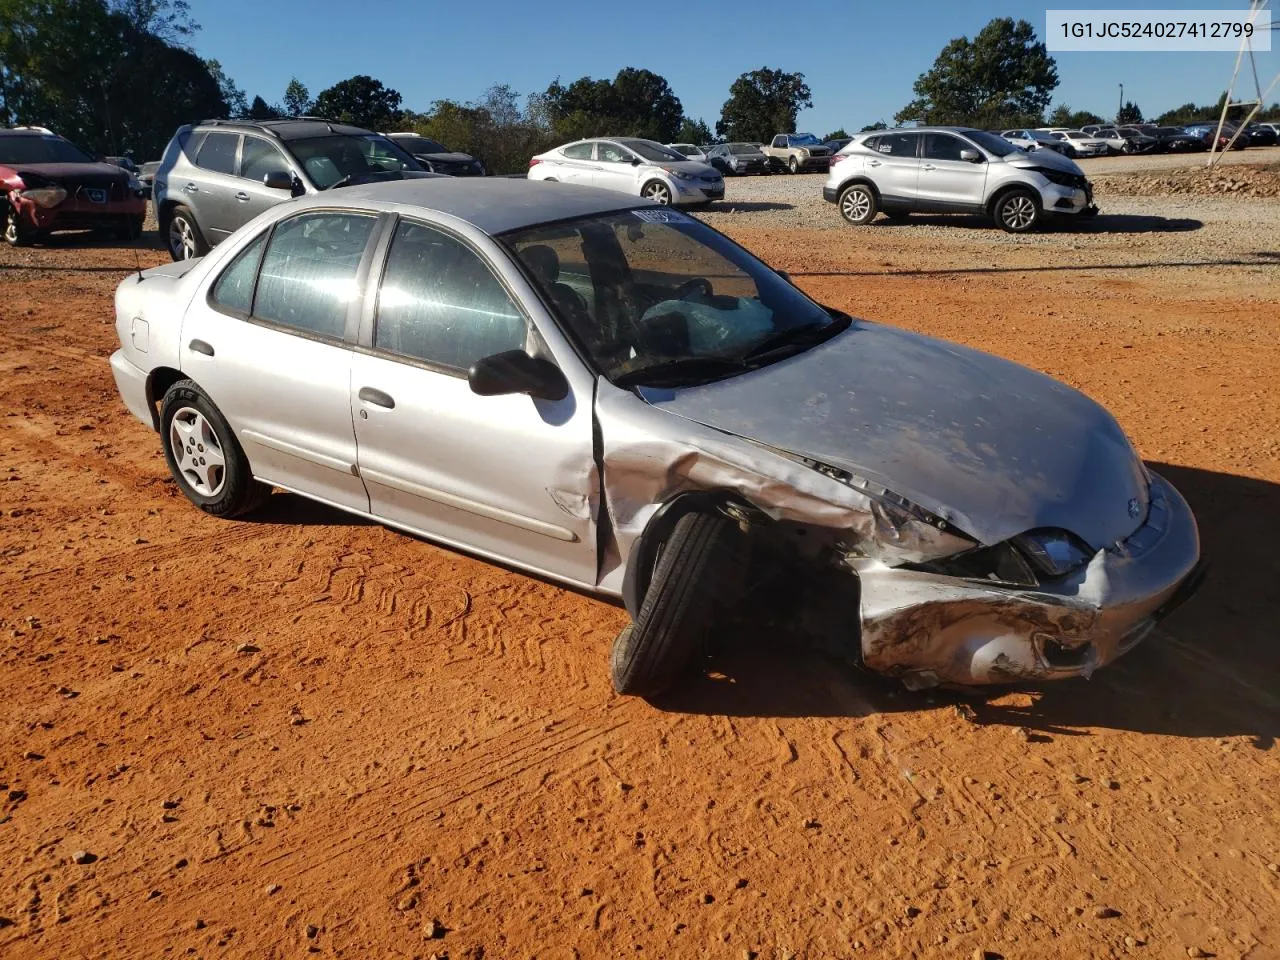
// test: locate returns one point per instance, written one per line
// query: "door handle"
(873, 163)
(377, 397)
(930, 166)
(190, 188)
(242, 197)
(199, 346)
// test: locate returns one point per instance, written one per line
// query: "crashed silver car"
(610, 393)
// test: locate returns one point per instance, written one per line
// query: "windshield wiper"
(681, 371)
(806, 335)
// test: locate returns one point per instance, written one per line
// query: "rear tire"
(195, 436)
(858, 204)
(183, 236)
(691, 582)
(1017, 211)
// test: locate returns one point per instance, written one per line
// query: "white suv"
(954, 170)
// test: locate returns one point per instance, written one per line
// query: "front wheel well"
(1005, 191)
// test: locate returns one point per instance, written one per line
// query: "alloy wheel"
(657, 192)
(182, 239)
(1018, 212)
(197, 451)
(855, 205)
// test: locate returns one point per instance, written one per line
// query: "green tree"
(838, 134)
(1064, 116)
(360, 101)
(236, 103)
(1129, 113)
(694, 131)
(878, 125)
(261, 110)
(297, 98)
(167, 20)
(635, 103)
(763, 103)
(1003, 77)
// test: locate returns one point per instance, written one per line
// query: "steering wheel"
(695, 285)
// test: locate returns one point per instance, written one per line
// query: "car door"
(614, 169)
(896, 168)
(211, 193)
(259, 157)
(578, 163)
(269, 339)
(947, 182)
(511, 477)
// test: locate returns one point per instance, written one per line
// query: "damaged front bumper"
(930, 629)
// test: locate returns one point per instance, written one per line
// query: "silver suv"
(954, 170)
(218, 175)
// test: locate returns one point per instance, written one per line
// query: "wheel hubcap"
(197, 452)
(1019, 212)
(182, 240)
(856, 205)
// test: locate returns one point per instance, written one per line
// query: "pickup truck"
(796, 152)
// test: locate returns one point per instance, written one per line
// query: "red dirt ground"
(302, 734)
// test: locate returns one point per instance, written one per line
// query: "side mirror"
(785, 276)
(514, 371)
(971, 155)
(635, 161)
(277, 180)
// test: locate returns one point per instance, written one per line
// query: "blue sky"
(858, 58)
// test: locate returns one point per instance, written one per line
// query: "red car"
(47, 184)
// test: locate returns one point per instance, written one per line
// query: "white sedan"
(1081, 144)
(639, 167)
(691, 151)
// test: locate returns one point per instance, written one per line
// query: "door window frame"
(235, 154)
(355, 309)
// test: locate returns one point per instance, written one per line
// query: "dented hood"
(991, 446)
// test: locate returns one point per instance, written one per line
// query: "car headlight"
(1056, 176)
(1053, 552)
(681, 175)
(45, 197)
(804, 153)
(136, 185)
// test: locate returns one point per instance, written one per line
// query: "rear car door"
(578, 164)
(511, 477)
(210, 191)
(947, 182)
(896, 168)
(268, 339)
(258, 157)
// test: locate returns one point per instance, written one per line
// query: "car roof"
(300, 128)
(492, 204)
(929, 129)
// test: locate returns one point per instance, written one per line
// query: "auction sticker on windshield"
(661, 216)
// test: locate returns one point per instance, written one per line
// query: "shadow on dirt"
(289, 509)
(746, 206)
(1054, 268)
(1211, 670)
(1102, 223)
(85, 239)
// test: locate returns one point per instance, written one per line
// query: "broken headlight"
(45, 197)
(1054, 552)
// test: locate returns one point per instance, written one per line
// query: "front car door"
(946, 182)
(258, 157)
(896, 168)
(614, 169)
(510, 477)
(268, 337)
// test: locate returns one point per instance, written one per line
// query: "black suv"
(218, 175)
(438, 158)
(48, 183)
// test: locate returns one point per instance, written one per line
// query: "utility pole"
(1120, 109)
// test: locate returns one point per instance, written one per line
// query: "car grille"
(709, 179)
(97, 190)
(819, 153)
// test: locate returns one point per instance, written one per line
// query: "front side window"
(943, 146)
(612, 153)
(308, 276)
(258, 158)
(439, 302)
(656, 297)
(234, 289)
(218, 152)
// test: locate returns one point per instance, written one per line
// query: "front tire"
(858, 204)
(690, 584)
(16, 233)
(185, 240)
(794, 165)
(131, 230)
(203, 454)
(1018, 211)
(657, 191)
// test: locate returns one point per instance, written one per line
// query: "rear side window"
(440, 302)
(234, 289)
(578, 151)
(308, 275)
(218, 152)
(899, 144)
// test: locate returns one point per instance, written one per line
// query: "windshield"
(421, 145)
(743, 149)
(47, 149)
(803, 140)
(688, 149)
(656, 297)
(650, 150)
(998, 146)
(333, 159)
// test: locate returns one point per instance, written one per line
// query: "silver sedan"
(607, 392)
